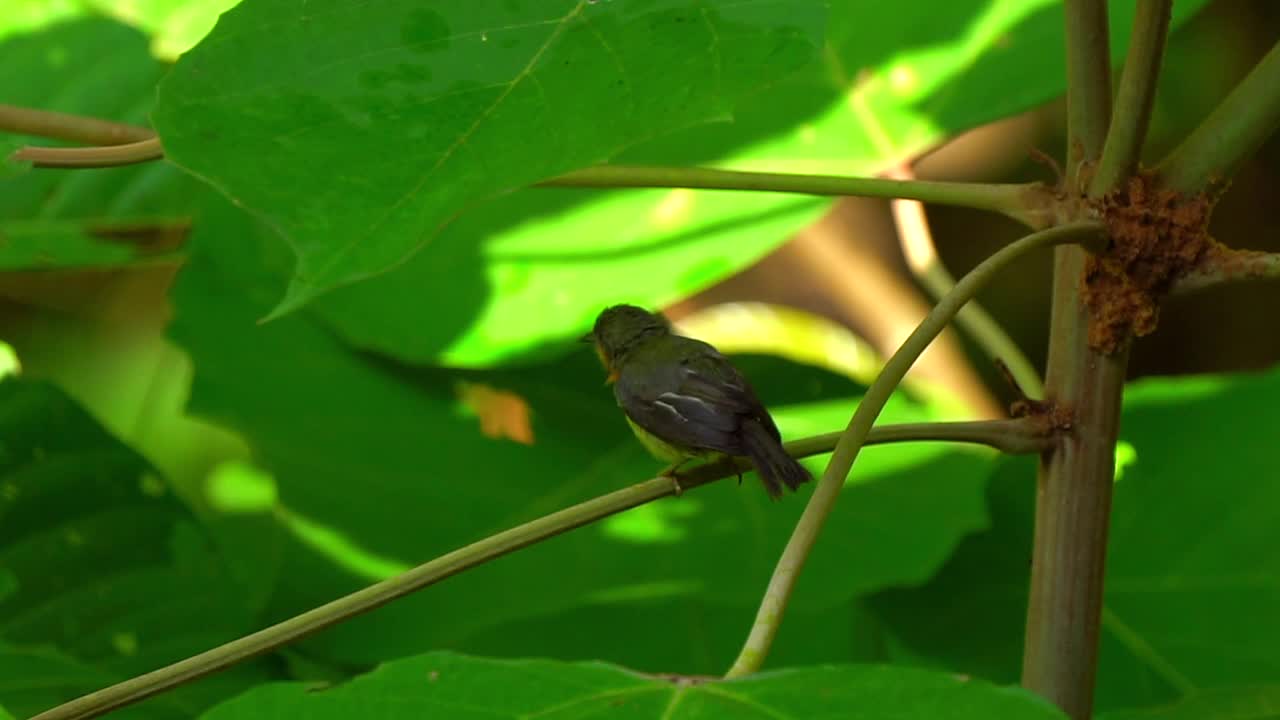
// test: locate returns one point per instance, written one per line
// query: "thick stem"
(1137, 94)
(1073, 503)
(1232, 132)
(73, 128)
(1088, 82)
(1023, 202)
(1011, 436)
(92, 157)
(774, 604)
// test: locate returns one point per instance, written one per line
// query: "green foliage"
(73, 219)
(1189, 596)
(489, 275)
(287, 113)
(101, 569)
(1248, 703)
(432, 395)
(443, 684)
(360, 446)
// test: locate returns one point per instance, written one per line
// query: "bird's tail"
(775, 466)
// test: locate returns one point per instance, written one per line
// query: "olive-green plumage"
(684, 399)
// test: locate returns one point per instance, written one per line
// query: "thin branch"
(854, 437)
(1023, 202)
(1231, 133)
(1025, 435)
(922, 259)
(92, 157)
(1137, 94)
(72, 128)
(1228, 266)
(1088, 81)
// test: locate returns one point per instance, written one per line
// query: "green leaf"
(1190, 511)
(29, 15)
(461, 688)
(294, 109)
(1249, 703)
(43, 245)
(36, 679)
(379, 466)
(86, 218)
(99, 560)
(530, 269)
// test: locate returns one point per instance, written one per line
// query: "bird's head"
(622, 328)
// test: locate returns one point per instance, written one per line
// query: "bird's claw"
(670, 472)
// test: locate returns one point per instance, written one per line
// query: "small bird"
(684, 400)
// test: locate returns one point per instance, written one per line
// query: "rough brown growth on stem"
(1157, 235)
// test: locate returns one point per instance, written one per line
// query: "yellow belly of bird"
(663, 450)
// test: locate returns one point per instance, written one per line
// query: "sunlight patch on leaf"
(673, 210)
(340, 548)
(1126, 455)
(652, 523)
(751, 327)
(9, 364)
(237, 487)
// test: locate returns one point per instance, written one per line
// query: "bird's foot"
(670, 472)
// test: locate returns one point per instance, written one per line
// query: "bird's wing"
(695, 399)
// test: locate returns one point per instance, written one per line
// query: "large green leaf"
(463, 688)
(80, 218)
(98, 560)
(535, 266)
(1190, 595)
(1248, 703)
(359, 131)
(377, 466)
(36, 679)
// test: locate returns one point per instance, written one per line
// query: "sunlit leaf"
(294, 108)
(531, 269)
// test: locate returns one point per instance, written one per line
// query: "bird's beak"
(589, 337)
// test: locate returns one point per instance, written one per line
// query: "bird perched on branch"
(684, 400)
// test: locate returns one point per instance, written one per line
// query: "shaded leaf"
(100, 561)
(83, 218)
(463, 687)
(1249, 703)
(293, 108)
(36, 679)
(1190, 513)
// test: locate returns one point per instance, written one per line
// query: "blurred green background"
(174, 473)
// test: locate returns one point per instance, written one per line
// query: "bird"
(684, 400)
